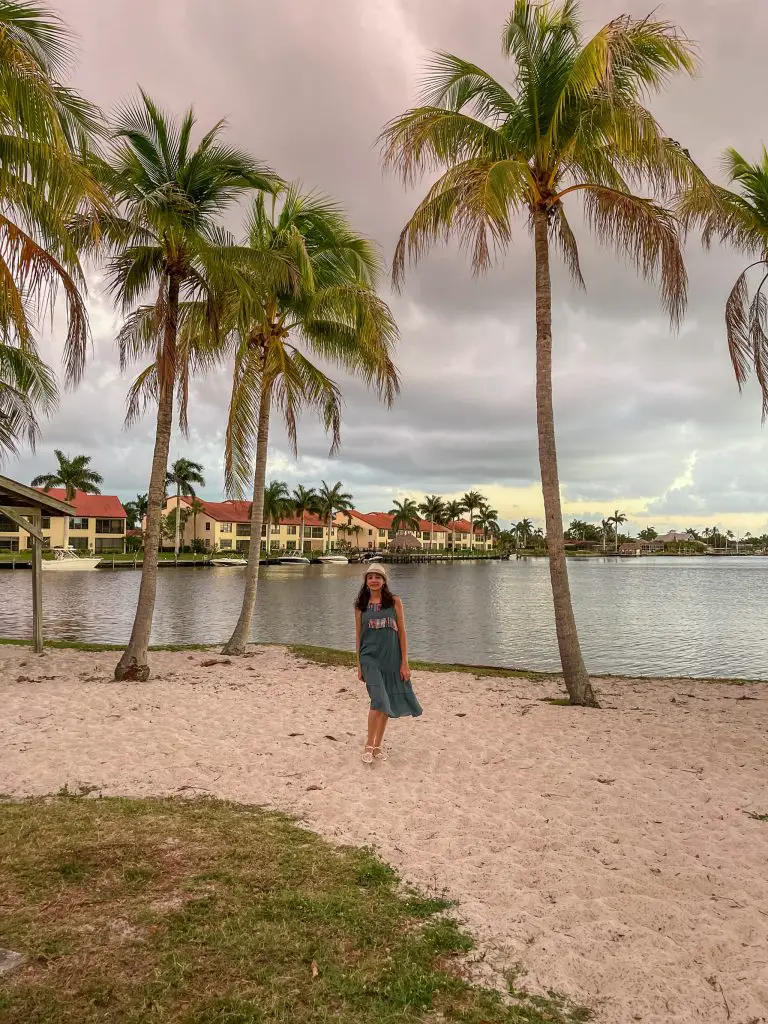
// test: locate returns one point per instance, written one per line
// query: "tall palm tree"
(45, 127)
(488, 522)
(523, 531)
(327, 307)
(331, 500)
(166, 239)
(276, 504)
(357, 530)
(135, 511)
(406, 516)
(572, 125)
(73, 474)
(740, 218)
(453, 512)
(433, 509)
(605, 527)
(472, 501)
(184, 475)
(197, 508)
(303, 500)
(616, 519)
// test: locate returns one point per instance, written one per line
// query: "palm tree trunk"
(176, 531)
(301, 534)
(134, 662)
(471, 532)
(328, 542)
(194, 526)
(243, 631)
(574, 671)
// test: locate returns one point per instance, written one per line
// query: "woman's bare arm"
(405, 672)
(358, 629)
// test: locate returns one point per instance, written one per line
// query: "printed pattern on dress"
(386, 623)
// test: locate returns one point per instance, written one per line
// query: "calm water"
(675, 616)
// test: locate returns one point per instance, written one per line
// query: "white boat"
(293, 560)
(67, 560)
(227, 562)
(371, 558)
(333, 560)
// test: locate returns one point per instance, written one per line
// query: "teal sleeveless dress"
(380, 664)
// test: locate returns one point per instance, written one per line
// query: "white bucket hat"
(376, 567)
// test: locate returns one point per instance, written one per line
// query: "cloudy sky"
(648, 422)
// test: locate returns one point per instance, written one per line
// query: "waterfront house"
(373, 531)
(98, 525)
(226, 526)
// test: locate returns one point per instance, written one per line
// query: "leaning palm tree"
(472, 501)
(406, 516)
(45, 127)
(327, 308)
(433, 509)
(740, 218)
(184, 475)
(572, 125)
(166, 239)
(616, 519)
(331, 500)
(304, 500)
(276, 505)
(453, 512)
(73, 474)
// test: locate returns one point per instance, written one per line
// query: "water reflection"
(698, 616)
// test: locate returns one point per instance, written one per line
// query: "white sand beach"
(610, 854)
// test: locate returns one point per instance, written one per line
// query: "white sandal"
(379, 754)
(368, 755)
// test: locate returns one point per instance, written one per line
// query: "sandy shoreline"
(609, 853)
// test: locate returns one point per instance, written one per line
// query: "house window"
(208, 527)
(110, 525)
(290, 545)
(78, 523)
(226, 528)
(226, 544)
(291, 531)
(275, 545)
(243, 529)
(46, 522)
(370, 534)
(7, 525)
(382, 533)
(264, 530)
(317, 531)
(243, 545)
(9, 544)
(79, 543)
(104, 544)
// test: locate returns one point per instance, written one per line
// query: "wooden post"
(37, 588)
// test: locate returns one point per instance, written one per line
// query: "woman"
(382, 658)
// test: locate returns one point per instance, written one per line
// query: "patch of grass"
(756, 816)
(203, 912)
(83, 645)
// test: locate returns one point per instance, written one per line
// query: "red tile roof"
(384, 520)
(462, 526)
(101, 506)
(240, 512)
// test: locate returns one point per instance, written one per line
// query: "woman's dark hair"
(362, 599)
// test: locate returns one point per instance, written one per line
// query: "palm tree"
(472, 501)
(135, 511)
(406, 517)
(73, 474)
(167, 240)
(276, 504)
(740, 218)
(357, 530)
(617, 519)
(433, 509)
(573, 125)
(45, 128)
(327, 307)
(453, 512)
(184, 475)
(197, 508)
(523, 531)
(303, 500)
(487, 521)
(331, 500)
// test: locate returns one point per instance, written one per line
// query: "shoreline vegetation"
(338, 657)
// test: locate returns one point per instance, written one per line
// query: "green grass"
(334, 657)
(203, 912)
(756, 816)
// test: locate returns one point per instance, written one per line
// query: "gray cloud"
(307, 87)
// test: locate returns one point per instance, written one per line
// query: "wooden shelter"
(26, 506)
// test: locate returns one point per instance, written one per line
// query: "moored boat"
(293, 560)
(66, 560)
(229, 562)
(333, 560)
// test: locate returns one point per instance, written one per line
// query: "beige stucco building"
(98, 525)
